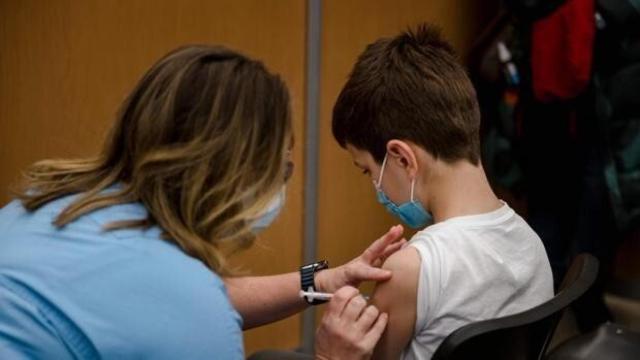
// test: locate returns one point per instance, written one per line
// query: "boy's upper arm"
(398, 297)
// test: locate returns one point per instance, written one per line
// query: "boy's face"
(395, 183)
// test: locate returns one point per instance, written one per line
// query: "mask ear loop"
(413, 183)
(379, 182)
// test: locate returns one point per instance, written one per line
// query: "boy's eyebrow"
(357, 164)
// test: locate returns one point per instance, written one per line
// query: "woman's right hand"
(349, 328)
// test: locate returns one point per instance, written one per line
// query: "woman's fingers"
(393, 248)
(376, 249)
(354, 308)
(371, 338)
(368, 317)
(349, 328)
(341, 299)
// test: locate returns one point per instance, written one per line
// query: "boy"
(409, 118)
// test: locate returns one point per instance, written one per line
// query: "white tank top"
(475, 268)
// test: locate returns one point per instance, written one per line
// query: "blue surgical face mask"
(271, 213)
(411, 212)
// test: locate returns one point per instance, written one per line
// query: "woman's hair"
(200, 142)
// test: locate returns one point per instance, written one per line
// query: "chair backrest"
(522, 336)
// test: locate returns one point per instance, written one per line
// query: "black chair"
(525, 335)
(609, 341)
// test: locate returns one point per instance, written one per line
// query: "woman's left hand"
(365, 267)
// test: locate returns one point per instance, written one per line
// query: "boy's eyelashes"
(362, 168)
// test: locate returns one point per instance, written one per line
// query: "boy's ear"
(403, 154)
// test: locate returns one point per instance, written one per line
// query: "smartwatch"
(307, 276)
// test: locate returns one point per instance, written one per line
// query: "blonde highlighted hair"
(200, 142)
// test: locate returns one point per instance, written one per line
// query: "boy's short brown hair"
(410, 87)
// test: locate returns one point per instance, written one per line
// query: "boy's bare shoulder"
(406, 259)
(405, 266)
(397, 298)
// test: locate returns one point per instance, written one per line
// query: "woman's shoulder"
(170, 297)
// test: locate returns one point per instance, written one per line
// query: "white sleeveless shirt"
(475, 268)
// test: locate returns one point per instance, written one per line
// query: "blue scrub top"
(85, 293)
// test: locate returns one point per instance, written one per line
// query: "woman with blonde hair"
(124, 255)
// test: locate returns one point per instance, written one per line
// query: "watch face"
(320, 265)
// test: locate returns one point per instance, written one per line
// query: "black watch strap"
(307, 279)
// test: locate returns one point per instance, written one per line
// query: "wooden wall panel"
(65, 66)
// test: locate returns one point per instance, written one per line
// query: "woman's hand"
(349, 329)
(261, 300)
(365, 267)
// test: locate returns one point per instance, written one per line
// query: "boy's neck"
(460, 189)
